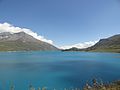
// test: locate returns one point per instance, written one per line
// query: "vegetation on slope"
(22, 42)
(111, 44)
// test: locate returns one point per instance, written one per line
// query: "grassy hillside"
(23, 42)
(111, 44)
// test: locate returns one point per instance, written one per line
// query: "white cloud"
(80, 45)
(6, 27)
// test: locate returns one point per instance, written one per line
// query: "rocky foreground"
(94, 86)
(101, 86)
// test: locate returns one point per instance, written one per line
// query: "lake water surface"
(56, 69)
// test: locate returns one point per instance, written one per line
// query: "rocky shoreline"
(102, 86)
(94, 86)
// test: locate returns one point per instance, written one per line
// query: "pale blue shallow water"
(56, 69)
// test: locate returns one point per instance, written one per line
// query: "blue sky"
(64, 21)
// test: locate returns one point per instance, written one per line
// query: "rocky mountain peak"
(22, 41)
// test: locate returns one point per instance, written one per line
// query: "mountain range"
(22, 42)
(111, 44)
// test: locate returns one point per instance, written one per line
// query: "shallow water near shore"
(56, 69)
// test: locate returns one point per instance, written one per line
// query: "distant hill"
(22, 42)
(111, 44)
(73, 49)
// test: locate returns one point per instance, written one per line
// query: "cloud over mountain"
(6, 27)
(80, 45)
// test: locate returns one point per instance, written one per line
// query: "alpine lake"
(56, 69)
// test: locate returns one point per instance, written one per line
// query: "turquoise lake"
(56, 69)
